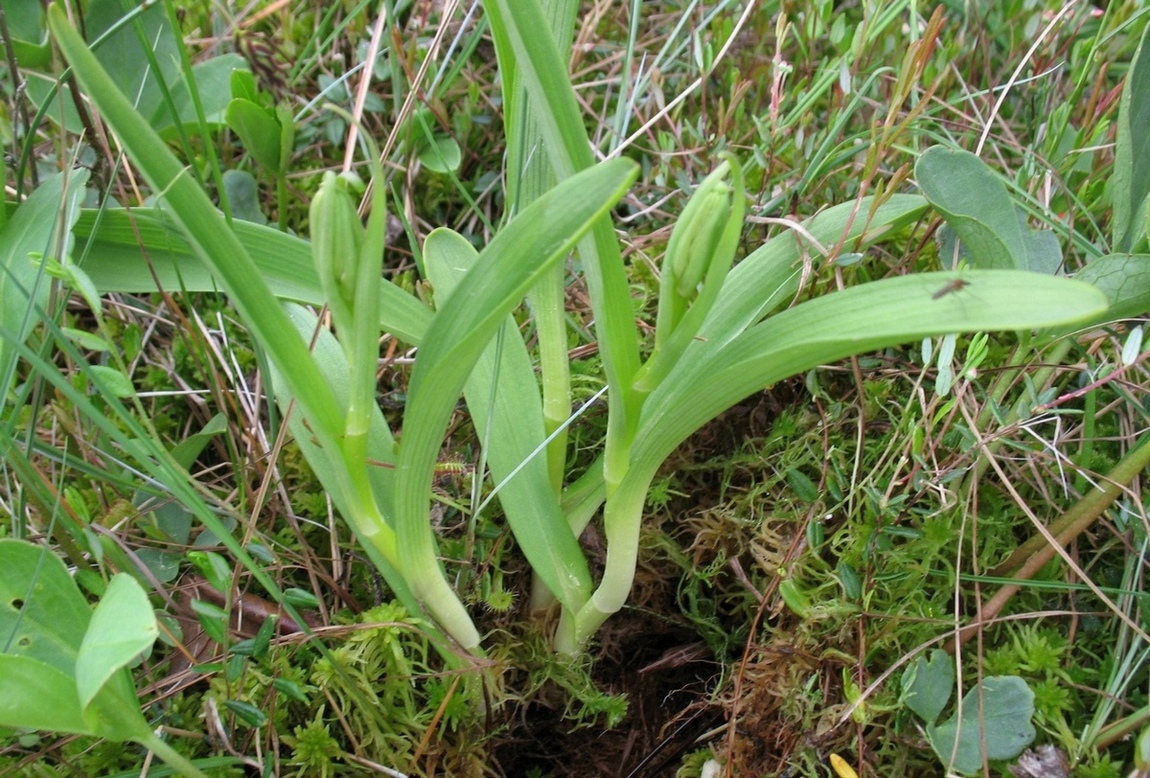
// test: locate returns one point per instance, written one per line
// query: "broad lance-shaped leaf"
(27, 239)
(463, 326)
(122, 248)
(503, 399)
(769, 276)
(713, 376)
(884, 313)
(543, 74)
(330, 356)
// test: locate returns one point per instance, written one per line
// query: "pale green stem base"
(622, 520)
(171, 757)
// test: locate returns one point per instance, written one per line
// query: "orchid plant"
(724, 330)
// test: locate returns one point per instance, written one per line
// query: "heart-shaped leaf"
(927, 684)
(995, 714)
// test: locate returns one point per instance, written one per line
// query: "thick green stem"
(622, 521)
(1085, 512)
(550, 325)
(171, 756)
(360, 499)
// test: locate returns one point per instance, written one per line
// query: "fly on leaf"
(954, 285)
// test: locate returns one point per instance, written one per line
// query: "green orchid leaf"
(380, 464)
(29, 236)
(121, 249)
(332, 359)
(462, 327)
(1130, 186)
(769, 276)
(854, 321)
(503, 398)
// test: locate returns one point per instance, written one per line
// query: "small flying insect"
(954, 285)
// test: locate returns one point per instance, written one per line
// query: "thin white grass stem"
(1049, 28)
(694, 85)
(541, 447)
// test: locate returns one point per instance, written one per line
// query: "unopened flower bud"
(337, 234)
(696, 237)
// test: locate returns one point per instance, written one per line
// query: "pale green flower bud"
(699, 254)
(696, 237)
(337, 235)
